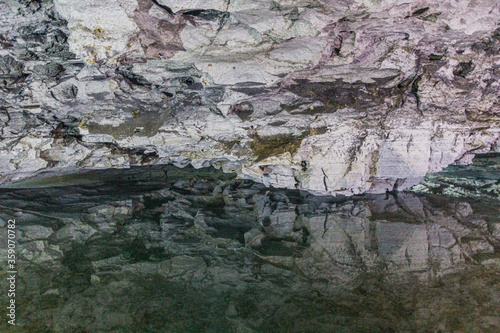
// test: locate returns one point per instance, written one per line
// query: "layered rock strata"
(338, 97)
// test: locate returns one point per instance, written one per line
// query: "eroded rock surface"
(162, 249)
(329, 96)
(481, 179)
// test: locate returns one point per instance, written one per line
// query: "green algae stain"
(275, 145)
(264, 147)
(144, 124)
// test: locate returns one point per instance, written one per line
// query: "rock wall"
(338, 97)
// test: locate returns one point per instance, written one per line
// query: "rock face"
(478, 180)
(338, 97)
(163, 249)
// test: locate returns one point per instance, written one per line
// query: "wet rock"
(35, 232)
(464, 209)
(108, 240)
(181, 266)
(74, 233)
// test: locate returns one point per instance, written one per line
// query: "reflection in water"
(161, 249)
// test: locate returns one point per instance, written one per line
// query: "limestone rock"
(330, 96)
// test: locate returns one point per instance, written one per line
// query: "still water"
(161, 249)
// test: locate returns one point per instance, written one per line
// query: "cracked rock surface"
(163, 249)
(337, 97)
(478, 180)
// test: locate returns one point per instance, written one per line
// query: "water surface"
(161, 249)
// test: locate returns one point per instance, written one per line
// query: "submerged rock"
(166, 249)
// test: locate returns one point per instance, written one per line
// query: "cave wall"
(338, 97)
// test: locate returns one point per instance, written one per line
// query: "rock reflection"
(161, 249)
